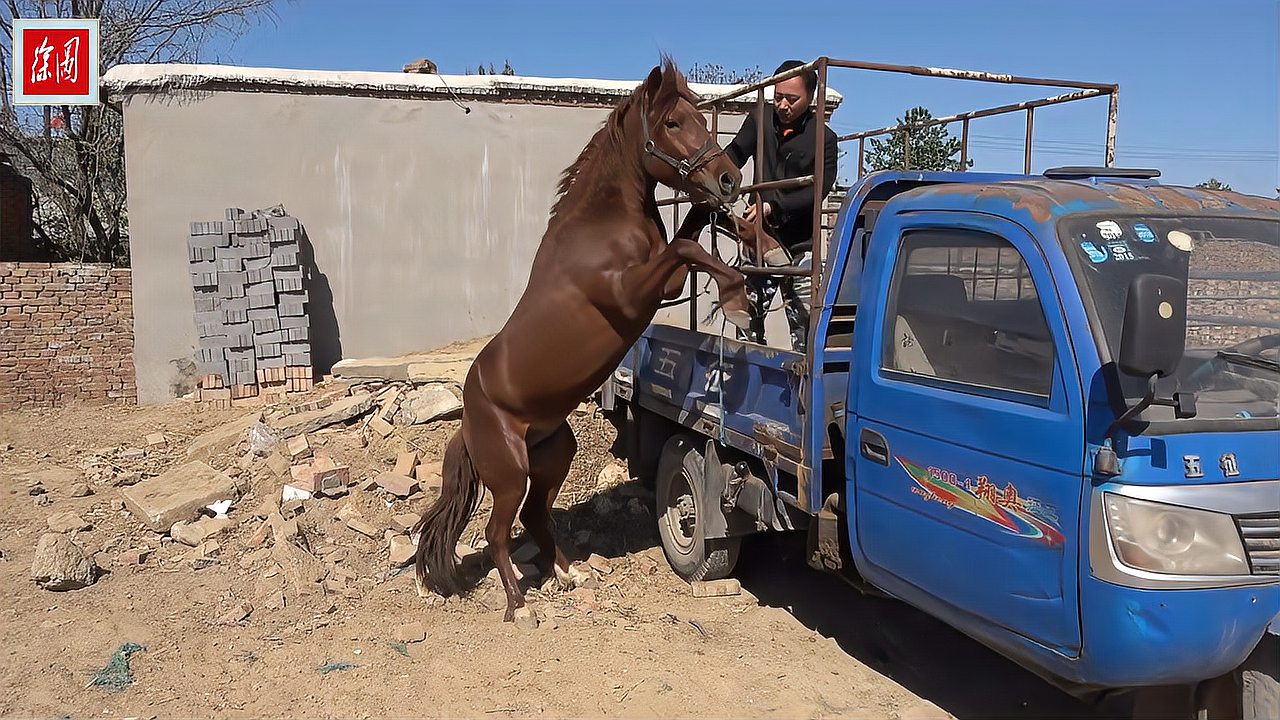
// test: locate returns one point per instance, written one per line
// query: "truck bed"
(743, 394)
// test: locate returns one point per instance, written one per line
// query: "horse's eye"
(673, 125)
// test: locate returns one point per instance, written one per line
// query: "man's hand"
(751, 211)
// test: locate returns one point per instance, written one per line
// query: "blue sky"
(1199, 80)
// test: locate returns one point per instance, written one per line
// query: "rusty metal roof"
(1045, 199)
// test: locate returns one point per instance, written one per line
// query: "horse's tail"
(442, 524)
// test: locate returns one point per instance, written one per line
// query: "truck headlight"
(1164, 538)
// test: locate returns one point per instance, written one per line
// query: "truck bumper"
(1136, 637)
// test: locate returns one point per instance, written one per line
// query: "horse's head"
(679, 151)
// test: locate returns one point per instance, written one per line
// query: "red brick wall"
(66, 335)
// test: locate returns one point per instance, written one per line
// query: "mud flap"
(824, 537)
(711, 512)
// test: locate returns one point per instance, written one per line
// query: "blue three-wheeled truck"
(1042, 408)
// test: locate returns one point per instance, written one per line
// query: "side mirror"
(1154, 334)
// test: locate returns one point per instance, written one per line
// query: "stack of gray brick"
(250, 300)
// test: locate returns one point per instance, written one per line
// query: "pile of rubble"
(315, 498)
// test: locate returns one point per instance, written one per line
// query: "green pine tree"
(932, 148)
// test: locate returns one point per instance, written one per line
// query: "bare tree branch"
(78, 170)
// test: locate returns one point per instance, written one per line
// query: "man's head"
(791, 97)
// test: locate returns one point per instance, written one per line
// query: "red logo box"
(55, 61)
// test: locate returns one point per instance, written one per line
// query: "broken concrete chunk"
(156, 440)
(60, 564)
(67, 522)
(299, 448)
(260, 536)
(311, 421)
(192, 534)
(716, 588)
(427, 478)
(404, 523)
(465, 552)
(394, 369)
(136, 556)
(222, 438)
(401, 551)
(363, 527)
(178, 494)
(286, 531)
(381, 426)
(405, 463)
(599, 564)
(397, 485)
(441, 367)
(331, 479)
(433, 402)
(277, 464)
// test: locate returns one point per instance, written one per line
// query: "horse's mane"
(603, 154)
(608, 138)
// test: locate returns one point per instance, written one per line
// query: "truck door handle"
(874, 447)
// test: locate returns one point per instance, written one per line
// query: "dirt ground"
(794, 643)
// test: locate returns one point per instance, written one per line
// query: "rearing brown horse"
(600, 273)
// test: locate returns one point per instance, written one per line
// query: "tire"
(1250, 692)
(1260, 681)
(678, 500)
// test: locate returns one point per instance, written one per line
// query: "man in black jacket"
(788, 214)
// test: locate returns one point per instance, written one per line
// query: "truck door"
(969, 438)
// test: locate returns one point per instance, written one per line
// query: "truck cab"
(1012, 466)
(1044, 409)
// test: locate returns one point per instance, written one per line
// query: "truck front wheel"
(1250, 692)
(1260, 681)
(681, 516)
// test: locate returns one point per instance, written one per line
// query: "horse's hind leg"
(549, 463)
(501, 459)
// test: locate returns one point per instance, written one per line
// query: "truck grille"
(1261, 535)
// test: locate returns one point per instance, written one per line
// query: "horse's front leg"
(651, 279)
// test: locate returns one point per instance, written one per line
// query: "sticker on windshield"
(1120, 251)
(1110, 230)
(1181, 240)
(1144, 233)
(1095, 255)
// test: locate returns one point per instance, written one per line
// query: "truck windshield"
(1232, 270)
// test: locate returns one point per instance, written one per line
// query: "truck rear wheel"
(681, 516)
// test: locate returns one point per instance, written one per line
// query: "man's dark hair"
(810, 76)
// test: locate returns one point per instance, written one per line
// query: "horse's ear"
(652, 85)
(662, 88)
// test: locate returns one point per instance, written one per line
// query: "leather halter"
(689, 165)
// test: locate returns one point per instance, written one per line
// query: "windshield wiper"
(1253, 361)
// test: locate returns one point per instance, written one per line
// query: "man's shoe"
(777, 256)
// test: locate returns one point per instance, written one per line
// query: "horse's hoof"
(525, 618)
(740, 319)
